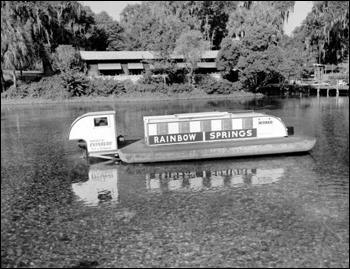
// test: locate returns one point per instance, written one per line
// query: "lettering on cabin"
(230, 134)
(175, 138)
(101, 145)
(265, 122)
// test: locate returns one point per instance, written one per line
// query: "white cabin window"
(152, 129)
(195, 126)
(216, 125)
(237, 124)
(173, 128)
(100, 121)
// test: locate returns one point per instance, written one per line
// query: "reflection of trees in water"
(227, 104)
(262, 103)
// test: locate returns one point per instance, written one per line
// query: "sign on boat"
(189, 136)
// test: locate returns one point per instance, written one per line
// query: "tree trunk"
(14, 78)
(47, 68)
(191, 78)
(2, 82)
(45, 58)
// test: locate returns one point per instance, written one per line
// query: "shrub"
(72, 84)
(213, 86)
(334, 78)
(47, 88)
(177, 75)
(129, 86)
(100, 87)
(153, 88)
(180, 88)
(12, 92)
(172, 75)
(76, 83)
(148, 78)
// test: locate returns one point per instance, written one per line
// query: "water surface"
(57, 210)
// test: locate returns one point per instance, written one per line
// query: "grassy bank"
(132, 97)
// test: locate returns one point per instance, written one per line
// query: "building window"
(110, 72)
(135, 72)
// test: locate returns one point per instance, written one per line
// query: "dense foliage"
(70, 85)
(326, 31)
(249, 34)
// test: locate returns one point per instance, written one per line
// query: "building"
(126, 63)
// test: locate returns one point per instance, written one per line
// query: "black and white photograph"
(174, 134)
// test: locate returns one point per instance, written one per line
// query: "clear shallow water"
(278, 211)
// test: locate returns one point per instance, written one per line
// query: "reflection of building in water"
(212, 179)
(102, 186)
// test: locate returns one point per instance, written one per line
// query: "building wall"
(93, 66)
(125, 69)
(93, 69)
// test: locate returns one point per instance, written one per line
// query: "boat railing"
(201, 115)
(242, 111)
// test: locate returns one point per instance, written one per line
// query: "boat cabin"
(98, 130)
(97, 133)
(211, 127)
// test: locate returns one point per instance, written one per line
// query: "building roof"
(134, 55)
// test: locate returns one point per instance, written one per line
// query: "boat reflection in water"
(206, 180)
(122, 182)
(102, 185)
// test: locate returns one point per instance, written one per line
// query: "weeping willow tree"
(16, 45)
(48, 23)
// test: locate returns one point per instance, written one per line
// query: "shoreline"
(125, 98)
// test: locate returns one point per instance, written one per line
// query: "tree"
(98, 39)
(67, 59)
(136, 20)
(155, 24)
(192, 47)
(260, 68)
(16, 44)
(327, 28)
(257, 56)
(51, 23)
(228, 57)
(251, 13)
(255, 31)
(298, 59)
(109, 32)
(261, 56)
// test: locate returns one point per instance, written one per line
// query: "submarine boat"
(189, 136)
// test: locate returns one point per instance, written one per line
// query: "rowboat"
(189, 136)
